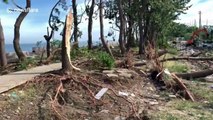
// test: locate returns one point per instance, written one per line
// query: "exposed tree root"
(182, 87)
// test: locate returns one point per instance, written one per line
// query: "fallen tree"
(178, 58)
(186, 58)
(198, 74)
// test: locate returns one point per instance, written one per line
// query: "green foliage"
(176, 67)
(81, 52)
(166, 116)
(38, 43)
(185, 105)
(5, 1)
(105, 60)
(100, 58)
(55, 44)
(28, 62)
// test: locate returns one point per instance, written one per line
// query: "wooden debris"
(181, 85)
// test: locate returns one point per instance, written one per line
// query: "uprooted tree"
(67, 66)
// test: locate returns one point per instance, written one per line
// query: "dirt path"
(12, 80)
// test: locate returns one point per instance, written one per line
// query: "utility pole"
(195, 23)
(200, 26)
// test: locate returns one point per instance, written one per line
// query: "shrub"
(105, 60)
(28, 62)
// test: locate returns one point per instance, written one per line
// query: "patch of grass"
(172, 50)
(166, 116)
(27, 63)
(105, 60)
(174, 66)
(202, 91)
(185, 105)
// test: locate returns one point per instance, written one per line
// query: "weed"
(185, 105)
(202, 91)
(176, 67)
(105, 60)
(166, 116)
(28, 62)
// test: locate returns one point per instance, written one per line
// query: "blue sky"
(34, 26)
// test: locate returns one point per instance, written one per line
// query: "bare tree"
(105, 45)
(17, 25)
(3, 59)
(90, 23)
(67, 66)
(48, 38)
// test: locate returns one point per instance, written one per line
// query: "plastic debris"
(101, 93)
(123, 93)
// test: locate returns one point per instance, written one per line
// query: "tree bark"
(198, 74)
(90, 24)
(3, 59)
(17, 25)
(105, 45)
(75, 16)
(122, 27)
(67, 66)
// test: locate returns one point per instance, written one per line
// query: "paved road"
(12, 80)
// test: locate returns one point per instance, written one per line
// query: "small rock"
(126, 75)
(112, 75)
(119, 118)
(104, 111)
(156, 96)
(211, 86)
(122, 70)
(153, 103)
(108, 71)
(150, 88)
(172, 96)
(123, 93)
(133, 95)
(205, 101)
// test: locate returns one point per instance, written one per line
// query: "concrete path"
(12, 80)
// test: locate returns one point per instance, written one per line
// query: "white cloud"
(29, 32)
(192, 14)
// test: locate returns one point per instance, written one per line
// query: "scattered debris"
(123, 93)
(112, 75)
(172, 96)
(180, 85)
(101, 93)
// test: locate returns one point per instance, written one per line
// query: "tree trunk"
(66, 47)
(90, 23)
(122, 27)
(48, 38)
(3, 59)
(141, 38)
(75, 16)
(18, 22)
(105, 45)
(198, 74)
(187, 58)
(130, 39)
